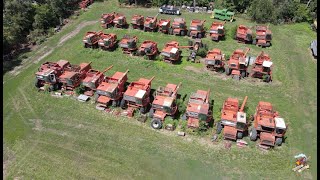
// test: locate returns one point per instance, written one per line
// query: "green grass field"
(61, 138)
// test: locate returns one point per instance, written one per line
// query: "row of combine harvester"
(179, 28)
(113, 91)
(237, 65)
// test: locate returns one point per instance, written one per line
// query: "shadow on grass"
(12, 61)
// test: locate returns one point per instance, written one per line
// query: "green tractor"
(222, 14)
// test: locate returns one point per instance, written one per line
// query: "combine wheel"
(188, 33)
(143, 110)
(123, 104)
(96, 96)
(254, 42)
(114, 103)
(219, 128)
(268, 44)
(253, 134)
(199, 35)
(36, 83)
(170, 31)
(51, 88)
(243, 74)
(151, 112)
(184, 116)
(86, 46)
(182, 33)
(267, 78)
(228, 72)
(279, 141)
(145, 29)
(239, 135)
(156, 123)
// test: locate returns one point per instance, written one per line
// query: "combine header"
(196, 29)
(107, 41)
(136, 96)
(106, 20)
(198, 109)
(49, 73)
(137, 22)
(85, 3)
(73, 75)
(233, 119)
(238, 64)
(179, 27)
(164, 105)
(217, 31)
(214, 60)
(91, 39)
(93, 80)
(150, 24)
(262, 67)
(111, 90)
(120, 21)
(164, 25)
(129, 44)
(244, 34)
(268, 126)
(263, 36)
(148, 48)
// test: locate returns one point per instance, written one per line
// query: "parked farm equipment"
(215, 60)
(164, 105)
(164, 25)
(149, 49)
(194, 46)
(217, 31)
(238, 64)
(85, 3)
(120, 21)
(111, 90)
(196, 29)
(198, 109)
(91, 39)
(223, 14)
(107, 41)
(233, 120)
(93, 80)
(167, 9)
(150, 24)
(106, 20)
(263, 36)
(137, 22)
(178, 27)
(267, 125)
(244, 34)
(262, 67)
(136, 96)
(129, 44)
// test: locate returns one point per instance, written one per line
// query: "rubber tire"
(188, 33)
(123, 104)
(254, 42)
(96, 96)
(156, 124)
(114, 103)
(199, 36)
(142, 110)
(253, 134)
(36, 83)
(268, 78)
(279, 141)
(219, 128)
(243, 74)
(151, 112)
(228, 72)
(51, 88)
(182, 33)
(239, 135)
(184, 117)
(170, 31)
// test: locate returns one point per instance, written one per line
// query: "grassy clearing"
(63, 138)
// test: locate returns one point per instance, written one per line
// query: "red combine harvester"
(91, 39)
(262, 67)
(93, 80)
(244, 34)
(179, 27)
(106, 20)
(164, 105)
(136, 96)
(73, 75)
(217, 31)
(85, 3)
(120, 21)
(129, 44)
(111, 90)
(150, 24)
(196, 29)
(263, 36)
(148, 48)
(268, 126)
(238, 64)
(137, 22)
(198, 109)
(233, 119)
(171, 52)
(107, 41)
(214, 60)
(49, 73)
(164, 25)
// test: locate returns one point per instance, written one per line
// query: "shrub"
(202, 52)
(80, 90)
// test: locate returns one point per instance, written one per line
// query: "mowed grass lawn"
(61, 138)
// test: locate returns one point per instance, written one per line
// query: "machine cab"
(280, 126)
(241, 120)
(266, 66)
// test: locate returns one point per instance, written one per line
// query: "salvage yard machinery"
(267, 125)
(73, 75)
(262, 67)
(263, 36)
(91, 39)
(164, 25)
(137, 22)
(111, 89)
(238, 64)
(178, 27)
(244, 34)
(196, 29)
(49, 73)
(150, 24)
(233, 120)
(129, 44)
(171, 52)
(222, 14)
(198, 109)
(149, 49)
(217, 31)
(164, 105)
(107, 41)
(106, 20)
(93, 80)
(120, 21)
(136, 96)
(215, 60)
